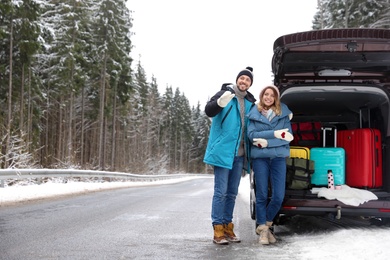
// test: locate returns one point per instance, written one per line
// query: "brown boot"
(271, 235)
(262, 230)
(229, 233)
(219, 235)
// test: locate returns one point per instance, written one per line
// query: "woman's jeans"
(274, 171)
(226, 184)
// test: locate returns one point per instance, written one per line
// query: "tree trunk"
(59, 137)
(101, 112)
(82, 127)
(113, 134)
(29, 112)
(21, 116)
(69, 146)
(9, 120)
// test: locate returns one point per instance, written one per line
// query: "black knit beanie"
(248, 71)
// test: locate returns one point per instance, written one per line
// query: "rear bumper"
(377, 208)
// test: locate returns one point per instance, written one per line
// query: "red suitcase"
(363, 157)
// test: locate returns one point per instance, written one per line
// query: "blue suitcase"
(328, 158)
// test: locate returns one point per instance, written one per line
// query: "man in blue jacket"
(228, 150)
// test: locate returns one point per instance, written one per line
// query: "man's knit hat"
(248, 71)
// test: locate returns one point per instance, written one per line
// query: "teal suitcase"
(328, 158)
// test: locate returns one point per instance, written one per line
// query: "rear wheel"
(253, 204)
(252, 196)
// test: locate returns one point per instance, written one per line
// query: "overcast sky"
(196, 45)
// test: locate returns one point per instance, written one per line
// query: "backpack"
(299, 172)
(306, 134)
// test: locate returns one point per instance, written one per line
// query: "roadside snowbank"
(26, 191)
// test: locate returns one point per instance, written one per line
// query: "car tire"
(253, 204)
(252, 180)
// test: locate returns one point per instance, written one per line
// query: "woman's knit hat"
(269, 86)
(248, 71)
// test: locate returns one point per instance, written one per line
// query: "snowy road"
(168, 222)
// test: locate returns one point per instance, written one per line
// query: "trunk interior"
(345, 106)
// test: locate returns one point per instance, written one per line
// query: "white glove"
(260, 142)
(284, 134)
(225, 98)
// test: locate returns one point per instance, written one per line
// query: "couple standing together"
(246, 135)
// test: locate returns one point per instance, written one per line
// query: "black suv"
(339, 77)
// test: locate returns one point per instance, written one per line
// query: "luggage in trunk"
(299, 152)
(299, 172)
(363, 157)
(306, 134)
(328, 158)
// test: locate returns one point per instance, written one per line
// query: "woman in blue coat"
(269, 131)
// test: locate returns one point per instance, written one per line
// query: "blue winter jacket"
(261, 127)
(225, 132)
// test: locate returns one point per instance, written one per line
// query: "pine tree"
(384, 18)
(349, 13)
(111, 32)
(201, 125)
(168, 133)
(156, 160)
(19, 34)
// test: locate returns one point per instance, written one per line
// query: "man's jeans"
(226, 184)
(265, 170)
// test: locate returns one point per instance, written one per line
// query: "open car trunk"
(345, 106)
(339, 77)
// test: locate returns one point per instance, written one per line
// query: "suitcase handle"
(324, 129)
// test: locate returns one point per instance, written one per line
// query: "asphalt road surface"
(151, 222)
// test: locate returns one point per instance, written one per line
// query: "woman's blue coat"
(261, 127)
(225, 132)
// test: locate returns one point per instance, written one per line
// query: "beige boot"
(262, 230)
(271, 236)
(229, 233)
(219, 235)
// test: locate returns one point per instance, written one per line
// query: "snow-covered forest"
(70, 95)
(352, 14)
(77, 102)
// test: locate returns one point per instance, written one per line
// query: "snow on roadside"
(346, 243)
(22, 193)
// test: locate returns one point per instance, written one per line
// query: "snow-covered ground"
(26, 191)
(356, 243)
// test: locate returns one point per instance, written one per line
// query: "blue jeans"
(274, 171)
(226, 184)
